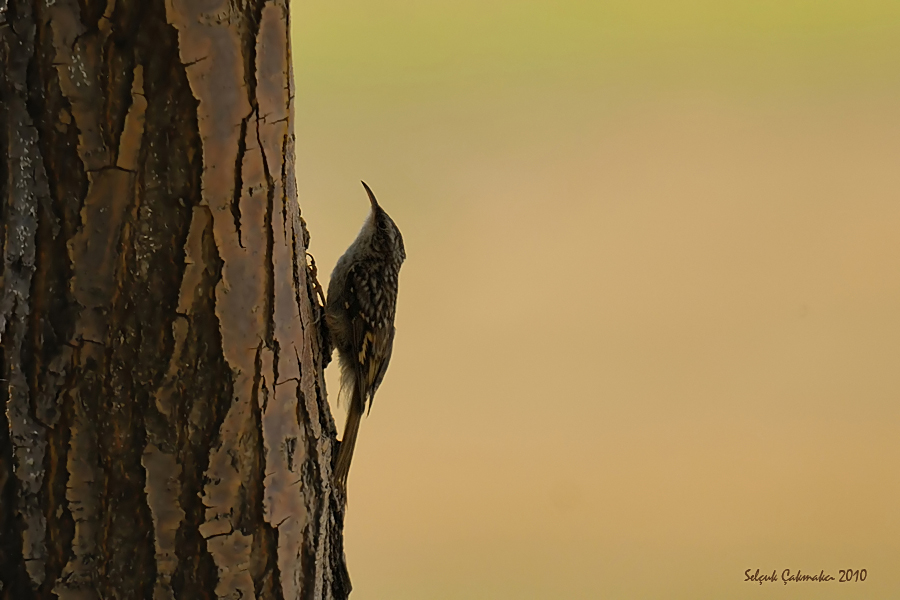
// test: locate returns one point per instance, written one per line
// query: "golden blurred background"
(649, 326)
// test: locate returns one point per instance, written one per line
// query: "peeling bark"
(165, 432)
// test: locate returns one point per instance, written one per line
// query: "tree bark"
(165, 431)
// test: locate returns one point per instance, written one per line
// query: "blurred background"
(649, 324)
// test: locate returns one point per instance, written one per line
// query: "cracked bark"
(165, 432)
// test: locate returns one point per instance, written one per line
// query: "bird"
(359, 312)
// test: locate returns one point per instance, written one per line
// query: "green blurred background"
(649, 326)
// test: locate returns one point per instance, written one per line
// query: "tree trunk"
(165, 431)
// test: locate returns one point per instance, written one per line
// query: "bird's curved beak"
(371, 196)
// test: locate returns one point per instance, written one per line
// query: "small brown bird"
(359, 311)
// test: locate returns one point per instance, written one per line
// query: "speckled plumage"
(359, 310)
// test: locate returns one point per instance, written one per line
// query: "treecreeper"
(359, 312)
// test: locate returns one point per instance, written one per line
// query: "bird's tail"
(345, 453)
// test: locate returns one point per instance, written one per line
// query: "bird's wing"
(383, 363)
(371, 333)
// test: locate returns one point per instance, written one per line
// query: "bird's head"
(385, 236)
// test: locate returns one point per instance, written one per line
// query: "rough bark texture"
(164, 432)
